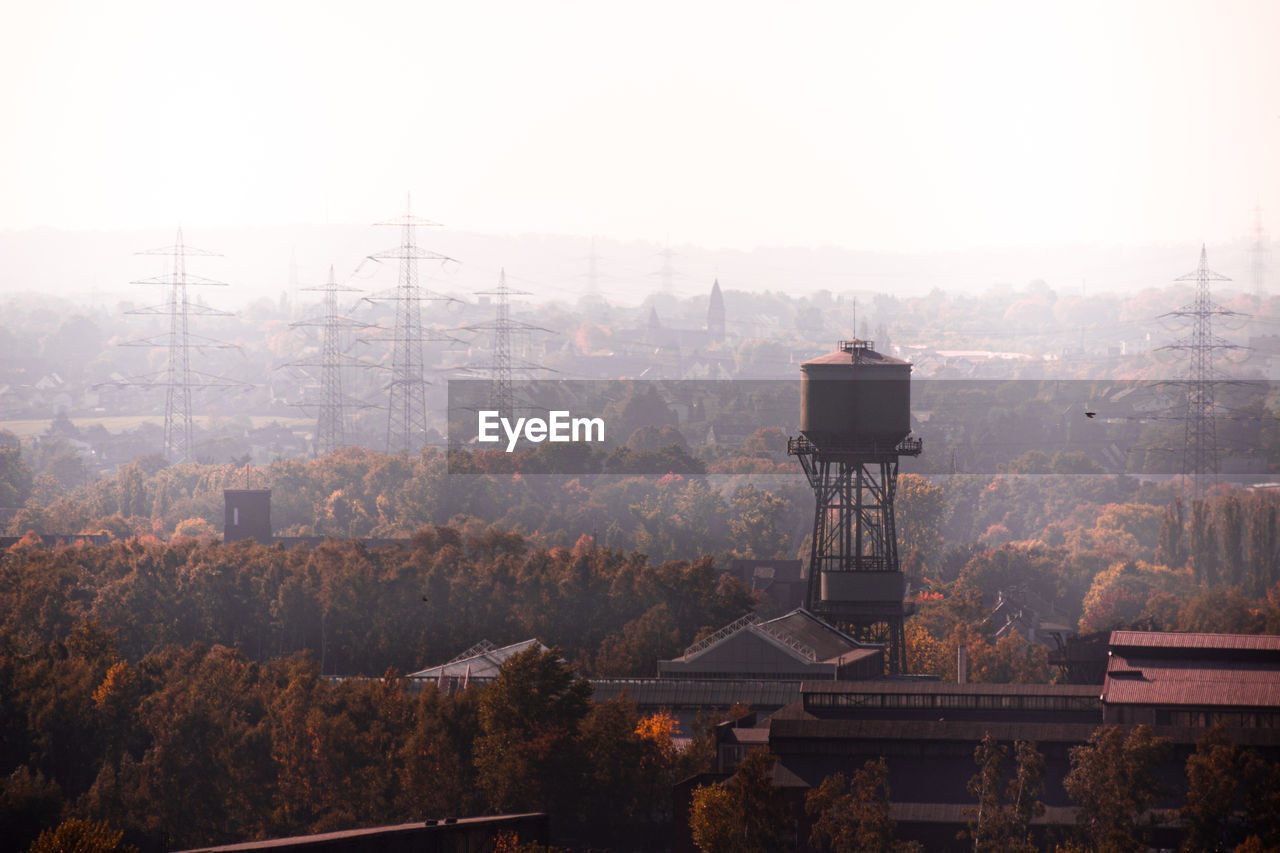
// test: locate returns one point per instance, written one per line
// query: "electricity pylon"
(1200, 442)
(178, 378)
(407, 396)
(331, 414)
(504, 365)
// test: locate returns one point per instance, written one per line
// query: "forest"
(117, 658)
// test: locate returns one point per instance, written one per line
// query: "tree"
(921, 508)
(526, 756)
(1214, 771)
(1113, 780)
(853, 816)
(713, 820)
(1170, 548)
(1260, 551)
(15, 477)
(756, 526)
(1002, 819)
(1231, 525)
(81, 836)
(1204, 545)
(745, 815)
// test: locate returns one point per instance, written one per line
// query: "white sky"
(869, 125)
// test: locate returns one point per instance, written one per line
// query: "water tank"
(855, 397)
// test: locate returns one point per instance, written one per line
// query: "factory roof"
(1219, 670)
(798, 633)
(1169, 640)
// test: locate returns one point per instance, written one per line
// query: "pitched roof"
(1219, 670)
(799, 633)
(1169, 640)
(482, 661)
(827, 642)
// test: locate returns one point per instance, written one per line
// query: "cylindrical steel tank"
(854, 398)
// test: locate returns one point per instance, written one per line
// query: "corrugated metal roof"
(1219, 694)
(1134, 680)
(1169, 640)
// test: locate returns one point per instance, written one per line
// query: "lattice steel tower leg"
(855, 537)
(177, 401)
(331, 422)
(1200, 442)
(177, 377)
(407, 397)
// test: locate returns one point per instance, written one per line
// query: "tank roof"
(855, 352)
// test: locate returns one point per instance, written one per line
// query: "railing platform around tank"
(801, 446)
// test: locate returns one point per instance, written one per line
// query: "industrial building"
(927, 732)
(797, 646)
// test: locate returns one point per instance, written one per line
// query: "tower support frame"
(854, 576)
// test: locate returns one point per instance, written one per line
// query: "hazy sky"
(869, 125)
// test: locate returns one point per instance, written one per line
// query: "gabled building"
(797, 646)
(477, 665)
(1193, 680)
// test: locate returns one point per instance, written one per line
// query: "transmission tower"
(177, 378)
(667, 271)
(331, 416)
(407, 397)
(1200, 443)
(1258, 252)
(504, 365)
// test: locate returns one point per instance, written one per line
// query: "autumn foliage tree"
(852, 815)
(1113, 779)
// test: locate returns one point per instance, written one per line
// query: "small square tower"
(248, 515)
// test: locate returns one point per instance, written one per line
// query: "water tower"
(855, 423)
